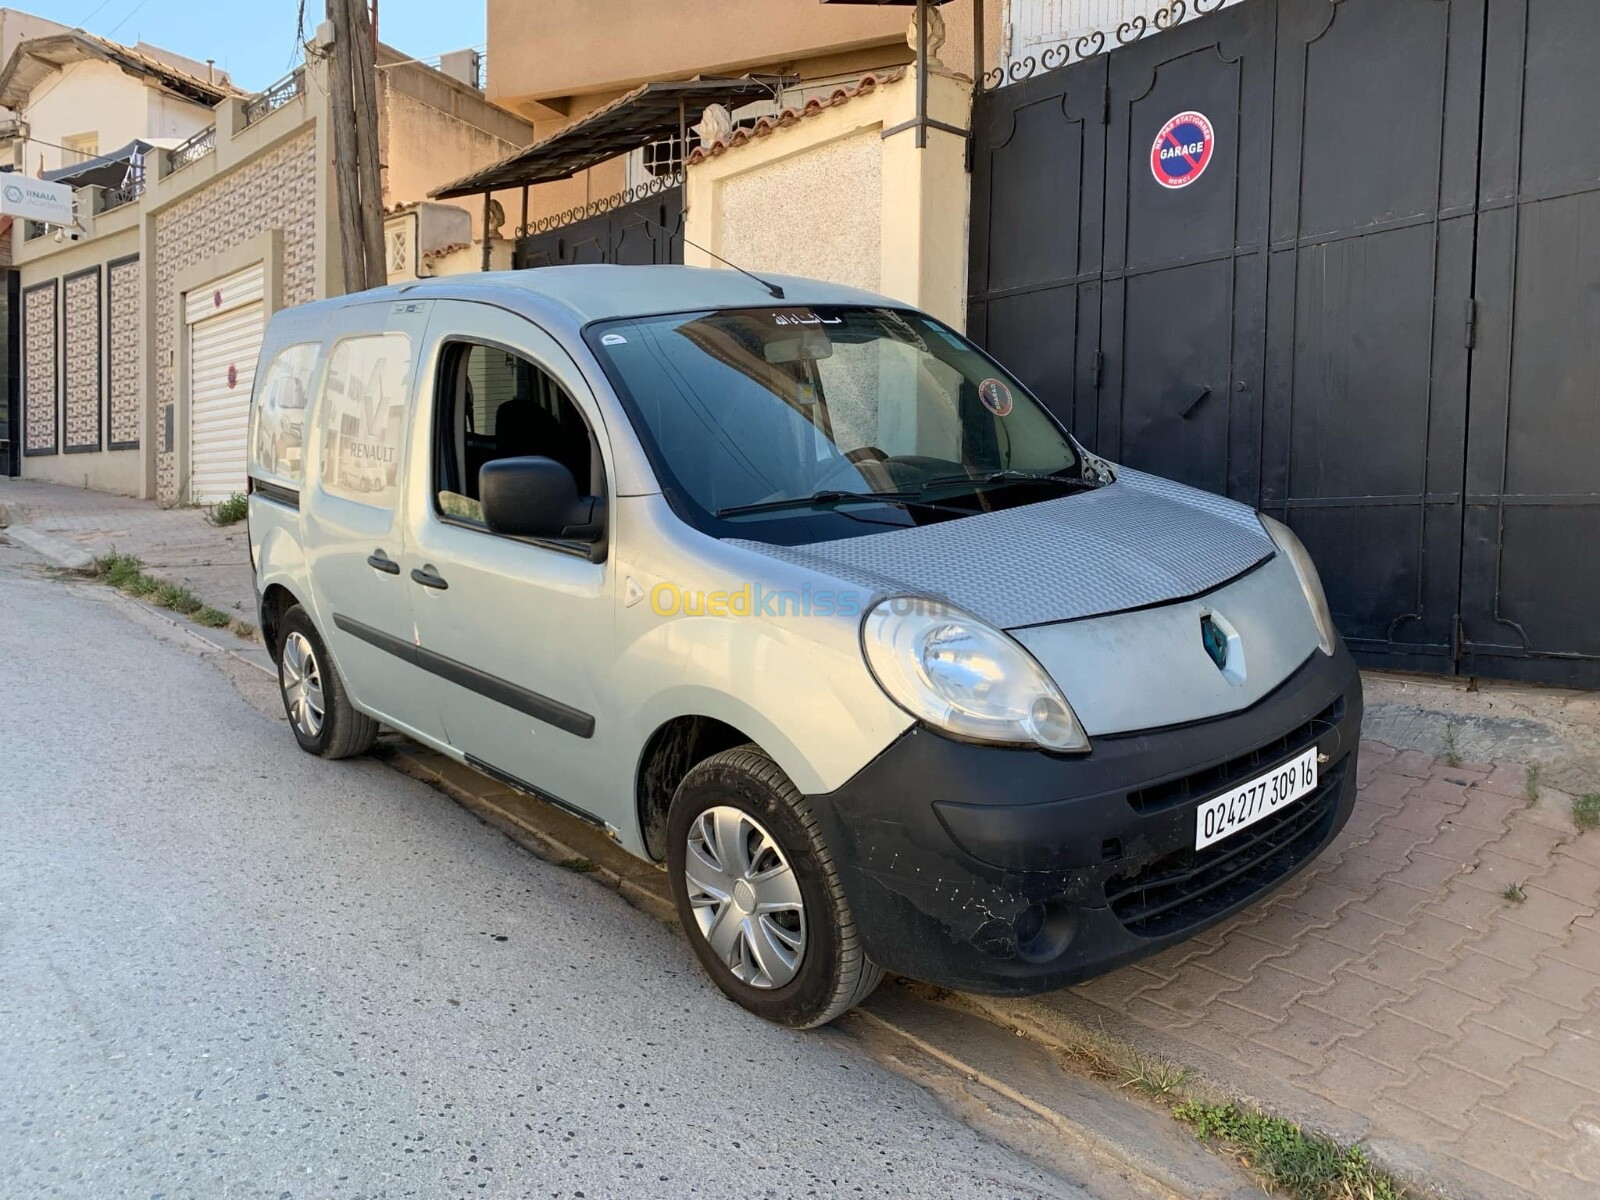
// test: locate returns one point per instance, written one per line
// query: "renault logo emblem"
(1216, 642)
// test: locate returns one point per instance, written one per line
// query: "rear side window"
(365, 399)
(283, 395)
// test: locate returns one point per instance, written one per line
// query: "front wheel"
(319, 709)
(758, 894)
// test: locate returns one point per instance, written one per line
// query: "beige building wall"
(262, 211)
(542, 54)
(170, 116)
(815, 209)
(263, 196)
(827, 195)
(18, 27)
(556, 61)
(61, 332)
(97, 97)
(432, 130)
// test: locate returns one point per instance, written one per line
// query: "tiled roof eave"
(788, 116)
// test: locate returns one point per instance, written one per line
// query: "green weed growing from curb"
(581, 866)
(231, 511)
(1452, 749)
(178, 599)
(119, 570)
(1301, 1164)
(1530, 782)
(124, 572)
(1586, 811)
(1154, 1077)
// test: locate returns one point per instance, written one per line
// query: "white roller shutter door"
(226, 323)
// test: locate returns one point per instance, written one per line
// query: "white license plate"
(1225, 815)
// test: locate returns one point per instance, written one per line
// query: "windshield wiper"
(1070, 482)
(826, 500)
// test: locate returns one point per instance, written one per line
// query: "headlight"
(963, 676)
(1310, 581)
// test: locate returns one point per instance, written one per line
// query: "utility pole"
(353, 89)
(364, 75)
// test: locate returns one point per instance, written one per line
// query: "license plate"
(1225, 815)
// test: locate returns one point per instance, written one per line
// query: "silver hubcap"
(745, 897)
(302, 685)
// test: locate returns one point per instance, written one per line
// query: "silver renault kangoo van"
(795, 591)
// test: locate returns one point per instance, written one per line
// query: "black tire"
(343, 732)
(834, 974)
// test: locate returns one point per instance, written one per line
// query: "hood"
(1137, 542)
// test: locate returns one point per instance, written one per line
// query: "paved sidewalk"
(1394, 993)
(71, 526)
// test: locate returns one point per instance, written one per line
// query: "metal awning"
(106, 170)
(646, 114)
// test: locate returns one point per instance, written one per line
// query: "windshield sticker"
(613, 339)
(996, 397)
(805, 319)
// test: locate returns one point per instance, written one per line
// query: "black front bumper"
(1013, 871)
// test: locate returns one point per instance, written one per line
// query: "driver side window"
(495, 404)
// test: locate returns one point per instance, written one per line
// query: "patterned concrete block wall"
(81, 362)
(39, 375)
(276, 191)
(123, 280)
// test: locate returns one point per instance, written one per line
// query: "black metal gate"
(642, 232)
(1374, 311)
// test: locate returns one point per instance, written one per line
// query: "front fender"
(805, 697)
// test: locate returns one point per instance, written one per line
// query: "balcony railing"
(287, 89)
(193, 150)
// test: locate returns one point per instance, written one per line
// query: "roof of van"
(594, 293)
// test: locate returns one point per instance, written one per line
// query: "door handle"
(379, 561)
(429, 578)
(1194, 406)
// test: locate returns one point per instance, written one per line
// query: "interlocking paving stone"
(1438, 1007)
(1445, 1092)
(1487, 1052)
(1396, 981)
(1543, 1100)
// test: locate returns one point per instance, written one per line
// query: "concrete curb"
(54, 550)
(1070, 1023)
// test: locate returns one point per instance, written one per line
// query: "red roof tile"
(793, 116)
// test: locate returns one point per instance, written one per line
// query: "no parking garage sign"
(1182, 150)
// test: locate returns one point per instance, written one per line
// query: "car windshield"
(793, 424)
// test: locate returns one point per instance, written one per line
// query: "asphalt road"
(230, 970)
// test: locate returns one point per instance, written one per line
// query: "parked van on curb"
(796, 592)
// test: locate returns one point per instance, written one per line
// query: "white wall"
(1036, 25)
(170, 117)
(94, 95)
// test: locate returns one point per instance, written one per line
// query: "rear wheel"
(758, 894)
(314, 698)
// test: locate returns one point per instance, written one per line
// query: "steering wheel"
(863, 454)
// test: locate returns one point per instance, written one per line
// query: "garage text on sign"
(1182, 150)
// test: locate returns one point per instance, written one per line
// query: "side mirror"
(538, 498)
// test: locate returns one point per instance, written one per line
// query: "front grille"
(1189, 887)
(1212, 780)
